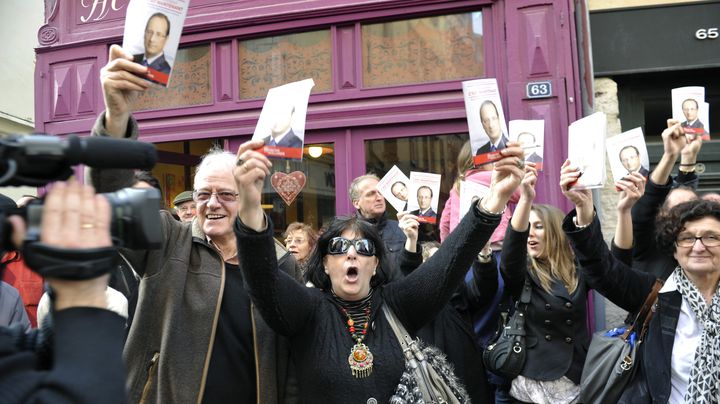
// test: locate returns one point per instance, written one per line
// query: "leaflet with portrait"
(486, 119)
(690, 109)
(281, 125)
(586, 150)
(152, 34)
(627, 153)
(531, 135)
(395, 186)
(424, 194)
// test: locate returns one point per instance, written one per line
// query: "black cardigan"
(320, 341)
(557, 338)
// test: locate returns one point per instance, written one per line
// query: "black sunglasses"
(341, 245)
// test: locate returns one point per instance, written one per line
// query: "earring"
(326, 271)
(374, 271)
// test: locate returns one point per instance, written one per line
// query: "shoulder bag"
(505, 355)
(610, 362)
(428, 377)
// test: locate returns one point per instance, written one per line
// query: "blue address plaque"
(539, 89)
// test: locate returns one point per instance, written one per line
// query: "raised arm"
(513, 264)
(417, 298)
(284, 303)
(631, 188)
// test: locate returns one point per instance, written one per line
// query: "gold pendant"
(360, 360)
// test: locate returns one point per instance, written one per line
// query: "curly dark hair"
(316, 268)
(673, 222)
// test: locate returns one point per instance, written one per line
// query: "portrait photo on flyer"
(690, 109)
(531, 136)
(627, 154)
(394, 187)
(424, 196)
(486, 119)
(281, 125)
(152, 35)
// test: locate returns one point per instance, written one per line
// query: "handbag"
(428, 377)
(611, 359)
(505, 355)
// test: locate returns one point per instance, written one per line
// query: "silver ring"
(240, 162)
(520, 164)
(87, 226)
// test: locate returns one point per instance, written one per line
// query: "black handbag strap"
(518, 318)
(645, 313)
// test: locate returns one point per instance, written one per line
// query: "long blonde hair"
(556, 261)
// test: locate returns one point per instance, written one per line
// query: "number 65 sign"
(706, 33)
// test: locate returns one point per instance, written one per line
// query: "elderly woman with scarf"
(343, 346)
(680, 361)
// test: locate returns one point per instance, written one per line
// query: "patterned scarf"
(705, 373)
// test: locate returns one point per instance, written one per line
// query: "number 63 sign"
(539, 89)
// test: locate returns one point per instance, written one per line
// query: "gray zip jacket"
(170, 342)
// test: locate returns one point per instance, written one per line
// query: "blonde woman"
(557, 340)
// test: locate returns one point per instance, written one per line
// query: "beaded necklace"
(358, 322)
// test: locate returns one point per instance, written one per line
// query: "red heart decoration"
(288, 185)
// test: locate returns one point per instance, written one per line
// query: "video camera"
(36, 160)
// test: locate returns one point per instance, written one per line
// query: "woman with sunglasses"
(680, 355)
(342, 345)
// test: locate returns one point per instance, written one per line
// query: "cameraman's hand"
(250, 171)
(120, 84)
(74, 218)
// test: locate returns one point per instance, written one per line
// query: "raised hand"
(527, 188)
(120, 85)
(631, 188)
(250, 171)
(508, 172)
(673, 138)
(74, 218)
(581, 198)
(409, 224)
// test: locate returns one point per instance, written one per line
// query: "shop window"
(269, 62)
(315, 204)
(176, 165)
(190, 82)
(423, 50)
(434, 154)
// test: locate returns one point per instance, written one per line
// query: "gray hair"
(216, 158)
(354, 191)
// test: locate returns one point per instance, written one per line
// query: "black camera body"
(36, 160)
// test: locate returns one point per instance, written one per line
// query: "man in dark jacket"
(370, 205)
(195, 336)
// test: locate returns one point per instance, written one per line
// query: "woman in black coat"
(342, 345)
(536, 248)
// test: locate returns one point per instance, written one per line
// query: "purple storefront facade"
(388, 79)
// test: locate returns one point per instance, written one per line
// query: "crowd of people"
(224, 312)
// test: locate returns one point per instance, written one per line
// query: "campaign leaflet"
(486, 120)
(531, 136)
(152, 35)
(690, 109)
(627, 154)
(470, 192)
(586, 150)
(281, 125)
(424, 195)
(394, 186)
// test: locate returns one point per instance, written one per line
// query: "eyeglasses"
(222, 196)
(341, 245)
(185, 208)
(708, 240)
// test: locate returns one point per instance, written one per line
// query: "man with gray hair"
(370, 205)
(195, 337)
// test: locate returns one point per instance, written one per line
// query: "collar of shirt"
(153, 59)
